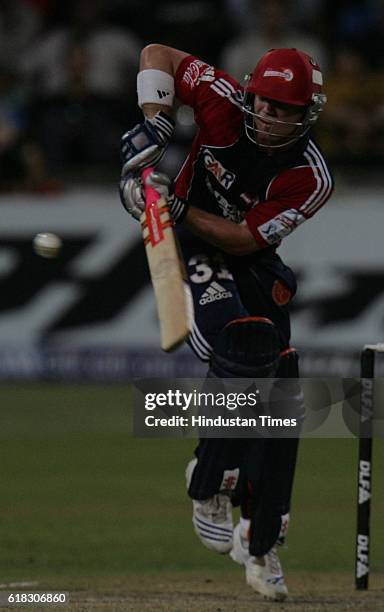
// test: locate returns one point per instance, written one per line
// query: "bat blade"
(172, 292)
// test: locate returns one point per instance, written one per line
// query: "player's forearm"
(165, 59)
(157, 57)
(228, 236)
(145, 144)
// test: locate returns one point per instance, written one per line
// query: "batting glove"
(131, 195)
(163, 185)
(133, 199)
(145, 144)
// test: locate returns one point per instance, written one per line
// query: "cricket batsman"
(252, 176)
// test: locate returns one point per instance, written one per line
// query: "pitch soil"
(189, 592)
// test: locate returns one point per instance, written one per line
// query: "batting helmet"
(288, 76)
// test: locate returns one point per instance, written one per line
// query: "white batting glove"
(163, 184)
(133, 199)
(145, 144)
(131, 195)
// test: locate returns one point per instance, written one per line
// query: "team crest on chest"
(223, 176)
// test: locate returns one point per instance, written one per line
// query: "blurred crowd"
(68, 76)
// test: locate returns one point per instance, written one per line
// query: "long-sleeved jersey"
(228, 175)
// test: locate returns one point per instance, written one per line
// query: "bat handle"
(151, 195)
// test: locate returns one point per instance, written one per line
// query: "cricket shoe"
(265, 576)
(240, 549)
(212, 518)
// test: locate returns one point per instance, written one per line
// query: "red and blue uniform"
(229, 176)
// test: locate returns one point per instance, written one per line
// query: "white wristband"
(155, 87)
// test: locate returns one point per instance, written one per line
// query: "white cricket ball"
(47, 245)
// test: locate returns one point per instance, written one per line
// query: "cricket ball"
(47, 245)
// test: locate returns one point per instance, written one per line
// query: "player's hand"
(131, 195)
(133, 198)
(163, 185)
(145, 144)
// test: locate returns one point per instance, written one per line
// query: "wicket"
(364, 481)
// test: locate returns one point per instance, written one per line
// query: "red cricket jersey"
(228, 175)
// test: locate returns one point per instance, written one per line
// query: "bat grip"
(151, 195)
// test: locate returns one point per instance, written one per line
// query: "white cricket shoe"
(264, 575)
(212, 518)
(240, 550)
(266, 579)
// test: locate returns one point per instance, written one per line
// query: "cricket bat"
(172, 292)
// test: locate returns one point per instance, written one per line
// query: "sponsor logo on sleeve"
(276, 229)
(198, 71)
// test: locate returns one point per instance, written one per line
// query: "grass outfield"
(86, 507)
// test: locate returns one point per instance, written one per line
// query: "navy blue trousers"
(225, 288)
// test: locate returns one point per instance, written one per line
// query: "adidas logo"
(162, 94)
(213, 293)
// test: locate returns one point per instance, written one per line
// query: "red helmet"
(288, 76)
